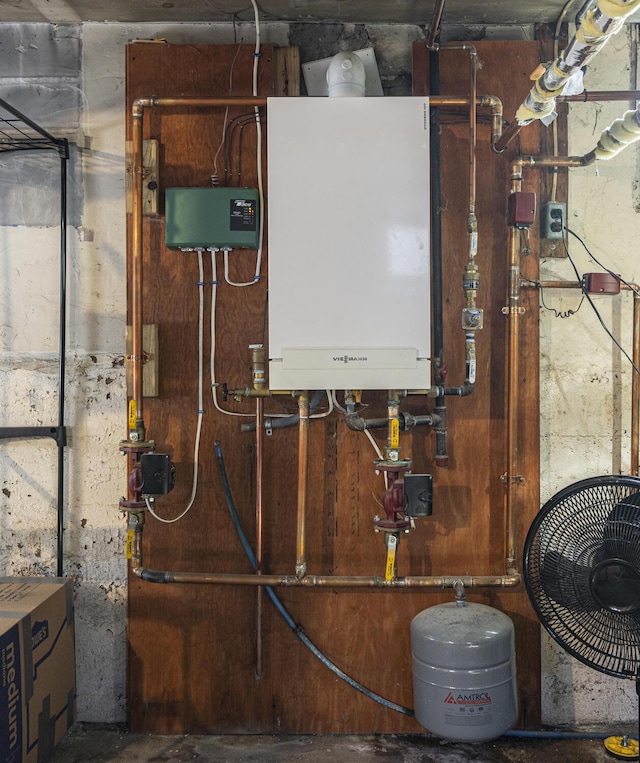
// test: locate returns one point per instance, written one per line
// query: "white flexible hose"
(196, 449)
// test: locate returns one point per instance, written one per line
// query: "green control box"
(212, 217)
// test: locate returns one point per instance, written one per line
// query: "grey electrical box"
(212, 217)
(553, 216)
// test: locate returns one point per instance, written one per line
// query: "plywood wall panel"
(192, 646)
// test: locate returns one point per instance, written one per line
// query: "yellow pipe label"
(129, 545)
(133, 413)
(389, 573)
(395, 433)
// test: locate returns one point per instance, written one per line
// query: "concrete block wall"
(72, 79)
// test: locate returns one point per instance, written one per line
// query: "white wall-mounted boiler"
(348, 228)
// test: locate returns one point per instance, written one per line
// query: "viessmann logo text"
(350, 358)
(479, 698)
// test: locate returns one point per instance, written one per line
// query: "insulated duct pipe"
(602, 20)
(620, 134)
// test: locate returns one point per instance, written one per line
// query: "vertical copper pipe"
(512, 389)
(434, 27)
(303, 460)
(136, 269)
(513, 312)
(635, 388)
(473, 128)
(259, 542)
(473, 96)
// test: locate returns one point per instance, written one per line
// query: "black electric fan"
(582, 573)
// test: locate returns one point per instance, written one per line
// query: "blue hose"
(297, 629)
(523, 734)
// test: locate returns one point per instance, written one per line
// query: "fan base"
(622, 748)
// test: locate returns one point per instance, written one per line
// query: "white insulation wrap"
(619, 135)
(601, 21)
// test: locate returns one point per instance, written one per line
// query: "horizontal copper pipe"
(569, 285)
(602, 95)
(510, 580)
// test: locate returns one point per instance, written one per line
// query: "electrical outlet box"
(553, 218)
(211, 217)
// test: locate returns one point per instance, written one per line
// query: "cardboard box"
(37, 666)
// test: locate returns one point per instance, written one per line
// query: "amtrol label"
(242, 214)
(468, 708)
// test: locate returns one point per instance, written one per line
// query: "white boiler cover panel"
(349, 279)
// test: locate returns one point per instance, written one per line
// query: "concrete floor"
(95, 743)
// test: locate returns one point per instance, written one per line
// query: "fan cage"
(589, 526)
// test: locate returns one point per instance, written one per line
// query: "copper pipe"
(434, 27)
(481, 100)
(328, 581)
(510, 580)
(507, 136)
(472, 102)
(513, 312)
(303, 460)
(554, 161)
(635, 388)
(496, 114)
(602, 95)
(259, 533)
(136, 278)
(568, 285)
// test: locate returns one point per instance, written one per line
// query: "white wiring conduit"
(601, 21)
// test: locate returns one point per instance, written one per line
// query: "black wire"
(560, 313)
(594, 308)
(557, 313)
(239, 121)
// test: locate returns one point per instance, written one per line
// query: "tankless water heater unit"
(349, 265)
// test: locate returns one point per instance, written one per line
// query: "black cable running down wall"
(436, 255)
(64, 158)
